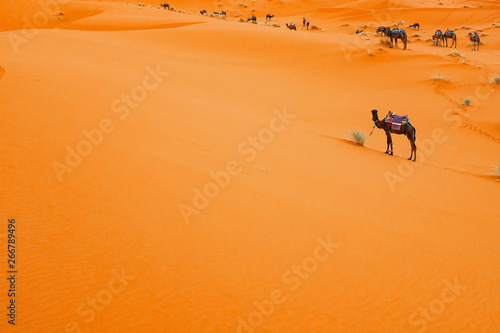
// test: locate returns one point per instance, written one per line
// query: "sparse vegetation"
(314, 27)
(440, 77)
(357, 137)
(457, 54)
(495, 79)
(370, 53)
(466, 102)
(496, 172)
(484, 34)
(416, 35)
(400, 22)
(385, 43)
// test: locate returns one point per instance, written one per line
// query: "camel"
(203, 12)
(253, 19)
(406, 128)
(223, 13)
(474, 38)
(165, 6)
(438, 36)
(269, 16)
(450, 34)
(415, 26)
(380, 30)
(396, 34)
(291, 26)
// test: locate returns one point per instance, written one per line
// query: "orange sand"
(406, 234)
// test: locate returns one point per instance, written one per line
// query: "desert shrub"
(457, 54)
(357, 137)
(385, 43)
(440, 77)
(466, 102)
(495, 79)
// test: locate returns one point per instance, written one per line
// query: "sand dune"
(174, 172)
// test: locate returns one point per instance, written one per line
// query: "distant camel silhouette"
(253, 19)
(438, 37)
(203, 12)
(396, 34)
(223, 13)
(415, 26)
(381, 31)
(407, 129)
(165, 6)
(451, 35)
(291, 26)
(474, 38)
(269, 16)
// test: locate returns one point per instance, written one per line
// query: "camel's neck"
(378, 123)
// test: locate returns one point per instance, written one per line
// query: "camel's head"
(374, 115)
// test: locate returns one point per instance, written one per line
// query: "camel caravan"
(439, 38)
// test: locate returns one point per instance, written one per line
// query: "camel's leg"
(388, 141)
(390, 138)
(413, 145)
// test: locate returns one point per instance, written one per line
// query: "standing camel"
(269, 16)
(474, 38)
(165, 6)
(415, 26)
(405, 128)
(450, 34)
(438, 36)
(396, 34)
(380, 30)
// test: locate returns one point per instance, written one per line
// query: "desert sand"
(175, 172)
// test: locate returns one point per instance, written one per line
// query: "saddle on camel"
(395, 124)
